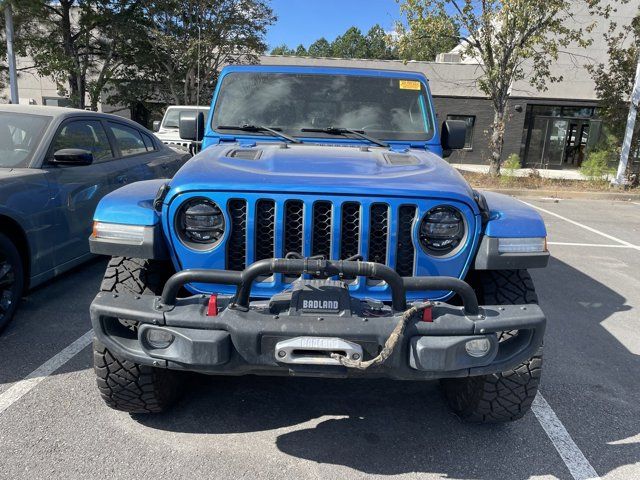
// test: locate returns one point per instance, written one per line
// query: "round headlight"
(201, 221)
(441, 230)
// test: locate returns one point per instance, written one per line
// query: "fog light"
(478, 347)
(159, 338)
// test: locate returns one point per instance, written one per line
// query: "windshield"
(384, 107)
(172, 117)
(20, 135)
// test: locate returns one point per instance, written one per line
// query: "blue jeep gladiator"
(319, 232)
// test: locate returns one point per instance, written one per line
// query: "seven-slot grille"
(334, 230)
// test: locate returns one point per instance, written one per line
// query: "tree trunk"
(75, 76)
(497, 141)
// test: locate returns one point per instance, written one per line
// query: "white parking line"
(24, 386)
(586, 227)
(571, 244)
(572, 456)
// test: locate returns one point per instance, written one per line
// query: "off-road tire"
(131, 387)
(11, 280)
(135, 276)
(508, 395)
(125, 385)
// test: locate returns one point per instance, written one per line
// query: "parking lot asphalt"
(55, 425)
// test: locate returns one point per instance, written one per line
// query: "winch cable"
(389, 345)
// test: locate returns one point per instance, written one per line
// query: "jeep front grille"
(322, 215)
(405, 250)
(336, 230)
(236, 245)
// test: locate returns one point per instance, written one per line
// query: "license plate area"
(315, 350)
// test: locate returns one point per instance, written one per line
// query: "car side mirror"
(156, 125)
(452, 136)
(72, 156)
(191, 126)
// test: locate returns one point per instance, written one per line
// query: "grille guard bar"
(244, 280)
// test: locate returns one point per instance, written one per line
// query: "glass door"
(556, 140)
(547, 142)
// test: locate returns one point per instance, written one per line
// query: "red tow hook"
(212, 307)
(427, 314)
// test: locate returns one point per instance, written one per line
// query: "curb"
(566, 194)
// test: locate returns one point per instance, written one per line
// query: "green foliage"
(424, 39)
(512, 164)
(351, 44)
(283, 50)
(379, 45)
(80, 44)
(376, 44)
(597, 165)
(189, 41)
(320, 48)
(508, 177)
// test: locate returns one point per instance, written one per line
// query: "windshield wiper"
(345, 131)
(259, 128)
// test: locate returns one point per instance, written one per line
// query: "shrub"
(512, 164)
(509, 167)
(596, 166)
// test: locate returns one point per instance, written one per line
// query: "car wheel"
(504, 396)
(125, 385)
(11, 280)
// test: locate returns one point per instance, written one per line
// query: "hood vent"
(400, 159)
(245, 153)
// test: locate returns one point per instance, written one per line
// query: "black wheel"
(504, 396)
(125, 385)
(11, 280)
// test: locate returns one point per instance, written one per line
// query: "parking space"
(290, 428)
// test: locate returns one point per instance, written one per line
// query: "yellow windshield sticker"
(409, 85)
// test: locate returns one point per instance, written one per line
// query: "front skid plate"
(248, 342)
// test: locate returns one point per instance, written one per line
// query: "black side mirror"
(156, 125)
(192, 126)
(452, 136)
(72, 156)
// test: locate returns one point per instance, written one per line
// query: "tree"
(283, 50)
(614, 80)
(379, 45)
(504, 35)
(376, 44)
(78, 43)
(320, 48)
(351, 44)
(418, 44)
(189, 41)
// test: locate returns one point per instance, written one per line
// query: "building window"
(470, 121)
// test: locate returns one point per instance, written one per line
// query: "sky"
(304, 21)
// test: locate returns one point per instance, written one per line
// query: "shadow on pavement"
(590, 378)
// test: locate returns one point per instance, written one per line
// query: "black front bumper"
(248, 338)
